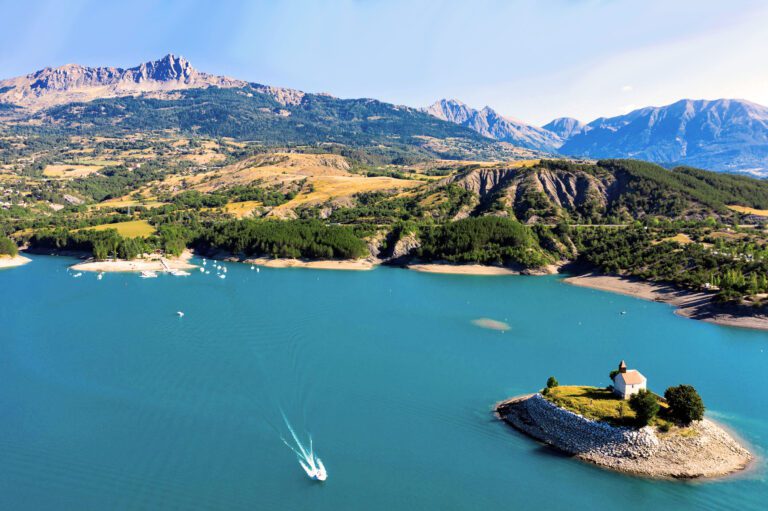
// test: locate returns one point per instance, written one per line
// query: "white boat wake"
(308, 460)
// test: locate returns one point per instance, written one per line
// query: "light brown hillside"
(318, 177)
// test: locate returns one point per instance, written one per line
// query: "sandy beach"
(690, 304)
(360, 264)
(153, 263)
(462, 269)
(12, 262)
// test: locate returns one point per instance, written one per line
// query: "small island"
(627, 428)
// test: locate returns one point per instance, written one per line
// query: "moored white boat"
(148, 274)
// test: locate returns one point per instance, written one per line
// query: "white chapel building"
(628, 381)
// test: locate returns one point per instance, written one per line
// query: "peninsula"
(628, 429)
(9, 261)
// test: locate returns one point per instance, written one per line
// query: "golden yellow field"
(70, 171)
(749, 211)
(326, 175)
(123, 202)
(681, 238)
(242, 209)
(131, 229)
(334, 187)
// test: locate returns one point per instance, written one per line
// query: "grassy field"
(681, 238)
(242, 209)
(125, 202)
(749, 211)
(323, 177)
(70, 171)
(599, 404)
(132, 229)
(334, 187)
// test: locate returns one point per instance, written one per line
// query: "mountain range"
(725, 135)
(490, 124)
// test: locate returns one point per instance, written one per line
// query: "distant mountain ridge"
(724, 135)
(73, 82)
(489, 123)
(727, 135)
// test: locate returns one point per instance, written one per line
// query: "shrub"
(685, 404)
(8, 247)
(552, 382)
(645, 406)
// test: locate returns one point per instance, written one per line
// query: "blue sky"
(532, 60)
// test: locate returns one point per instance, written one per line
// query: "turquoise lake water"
(108, 400)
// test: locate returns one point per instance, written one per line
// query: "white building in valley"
(628, 381)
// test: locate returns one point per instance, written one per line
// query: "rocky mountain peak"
(564, 127)
(168, 68)
(73, 82)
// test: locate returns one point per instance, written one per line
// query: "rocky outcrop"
(522, 188)
(483, 181)
(705, 450)
(286, 97)
(405, 246)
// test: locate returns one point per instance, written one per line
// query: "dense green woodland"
(293, 238)
(486, 240)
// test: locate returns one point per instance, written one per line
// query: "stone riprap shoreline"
(704, 450)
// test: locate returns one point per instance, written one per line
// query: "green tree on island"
(551, 383)
(645, 406)
(685, 403)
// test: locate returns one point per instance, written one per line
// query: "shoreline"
(321, 264)
(477, 269)
(461, 269)
(697, 305)
(137, 265)
(13, 261)
(708, 452)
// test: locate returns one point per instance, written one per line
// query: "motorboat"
(148, 274)
(312, 465)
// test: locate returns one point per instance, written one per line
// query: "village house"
(628, 381)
